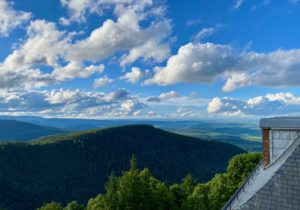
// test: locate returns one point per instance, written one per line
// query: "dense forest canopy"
(77, 166)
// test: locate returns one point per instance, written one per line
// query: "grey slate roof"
(282, 191)
(280, 122)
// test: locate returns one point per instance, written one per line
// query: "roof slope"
(282, 191)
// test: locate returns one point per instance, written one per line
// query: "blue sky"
(150, 58)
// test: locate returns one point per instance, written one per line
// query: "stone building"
(275, 182)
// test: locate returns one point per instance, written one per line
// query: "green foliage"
(241, 166)
(214, 194)
(51, 206)
(198, 199)
(219, 191)
(74, 206)
(139, 190)
(58, 206)
(135, 189)
(183, 190)
(76, 166)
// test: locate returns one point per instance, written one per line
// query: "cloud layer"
(284, 103)
(163, 97)
(206, 62)
(69, 103)
(130, 37)
(68, 58)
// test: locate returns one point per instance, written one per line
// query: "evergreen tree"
(51, 206)
(139, 190)
(198, 200)
(74, 206)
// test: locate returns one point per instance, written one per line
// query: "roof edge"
(280, 122)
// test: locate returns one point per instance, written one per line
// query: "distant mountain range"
(76, 166)
(244, 134)
(12, 130)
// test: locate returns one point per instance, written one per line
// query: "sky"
(150, 59)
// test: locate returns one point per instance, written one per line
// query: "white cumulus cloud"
(123, 35)
(134, 75)
(283, 103)
(102, 81)
(236, 80)
(206, 62)
(195, 63)
(48, 55)
(10, 18)
(215, 105)
(163, 97)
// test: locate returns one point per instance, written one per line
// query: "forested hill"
(76, 166)
(22, 131)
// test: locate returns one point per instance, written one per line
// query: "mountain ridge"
(76, 166)
(14, 130)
